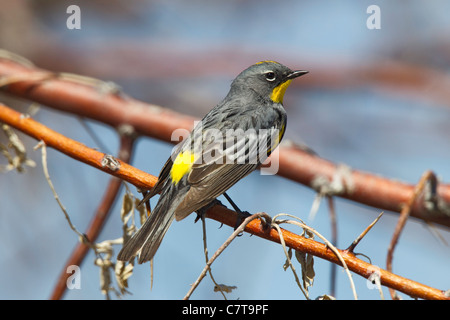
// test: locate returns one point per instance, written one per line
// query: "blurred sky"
(183, 55)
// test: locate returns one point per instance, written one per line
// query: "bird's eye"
(270, 76)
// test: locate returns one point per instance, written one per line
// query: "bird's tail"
(147, 239)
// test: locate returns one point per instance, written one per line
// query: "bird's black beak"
(295, 74)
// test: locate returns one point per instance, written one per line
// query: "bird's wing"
(224, 162)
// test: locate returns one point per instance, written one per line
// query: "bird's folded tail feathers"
(147, 239)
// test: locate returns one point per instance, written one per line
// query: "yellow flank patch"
(277, 142)
(181, 166)
(280, 135)
(278, 92)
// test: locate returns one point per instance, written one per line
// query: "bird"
(232, 140)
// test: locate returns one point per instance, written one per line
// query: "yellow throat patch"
(181, 166)
(278, 92)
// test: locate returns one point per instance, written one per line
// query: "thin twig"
(334, 237)
(404, 214)
(222, 248)
(392, 191)
(355, 242)
(75, 149)
(98, 221)
(105, 264)
(150, 120)
(39, 76)
(205, 249)
(283, 244)
(327, 243)
(82, 237)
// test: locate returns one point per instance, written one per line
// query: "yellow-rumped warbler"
(231, 141)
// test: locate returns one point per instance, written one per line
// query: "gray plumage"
(225, 159)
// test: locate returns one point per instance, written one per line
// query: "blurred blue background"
(183, 55)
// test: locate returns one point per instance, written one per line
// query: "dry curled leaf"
(325, 297)
(123, 271)
(288, 259)
(307, 263)
(127, 214)
(224, 288)
(19, 159)
(105, 276)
